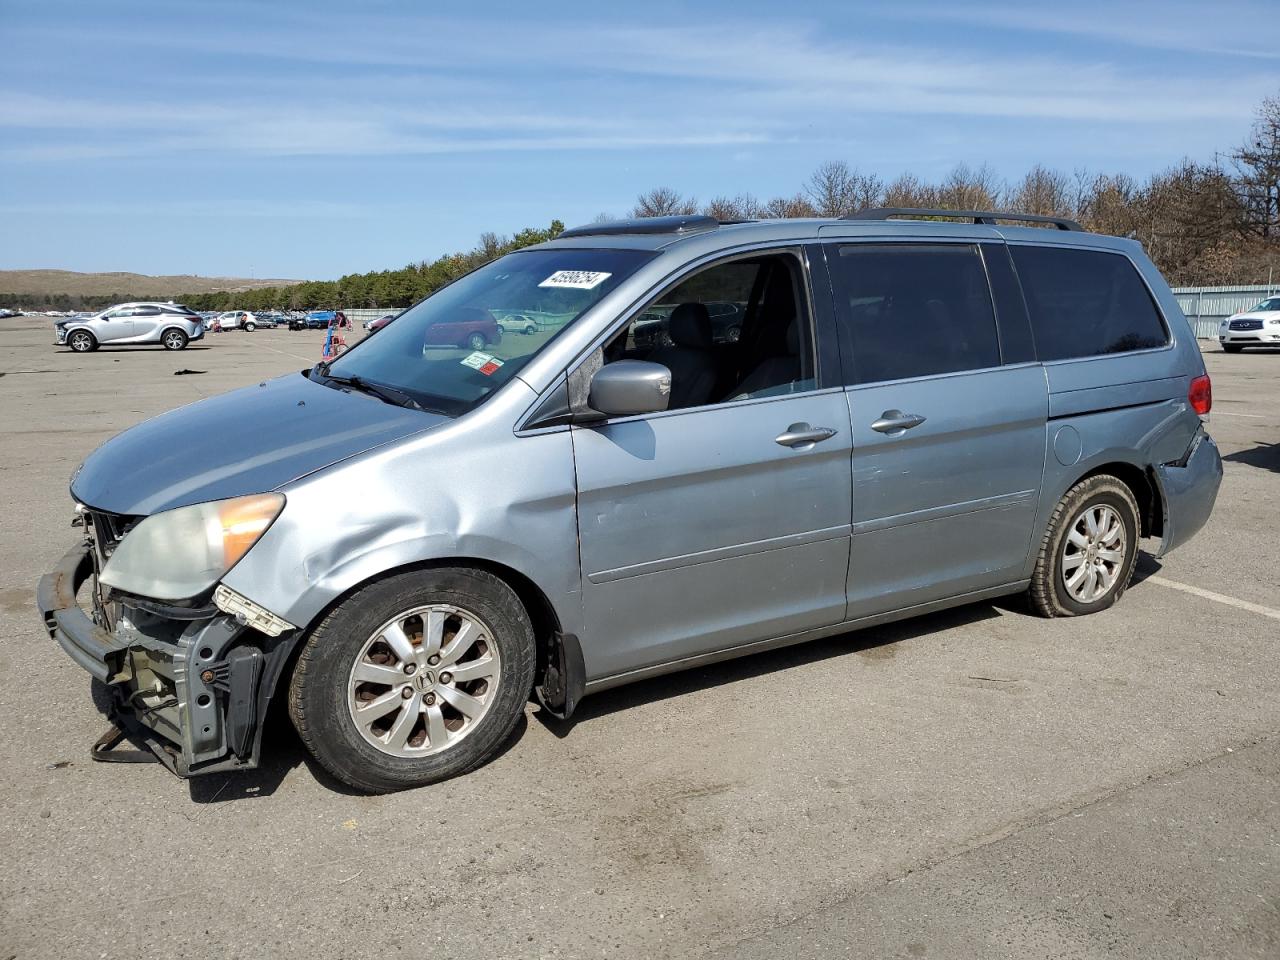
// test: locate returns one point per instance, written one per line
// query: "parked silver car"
(915, 415)
(171, 325)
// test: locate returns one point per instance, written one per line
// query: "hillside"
(127, 286)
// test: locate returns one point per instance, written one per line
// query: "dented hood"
(248, 441)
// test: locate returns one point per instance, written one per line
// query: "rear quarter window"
(1086, 303)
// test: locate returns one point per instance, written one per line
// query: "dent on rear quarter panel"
(1188, 493)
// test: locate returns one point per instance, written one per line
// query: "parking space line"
(1251, 416)
(1217, 597)
(286, 353)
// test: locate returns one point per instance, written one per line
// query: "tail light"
(1200, 395)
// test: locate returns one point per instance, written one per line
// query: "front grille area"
(1246, 324)
(109, 529)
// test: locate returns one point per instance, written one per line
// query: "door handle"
(803, 435)
(894, 422)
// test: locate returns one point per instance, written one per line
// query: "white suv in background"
(236, 320)
(1259, 327)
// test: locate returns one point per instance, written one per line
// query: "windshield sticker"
(576, 279)
(482, 363)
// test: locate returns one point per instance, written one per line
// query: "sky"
(312, 139)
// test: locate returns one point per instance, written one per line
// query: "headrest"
(690, 326)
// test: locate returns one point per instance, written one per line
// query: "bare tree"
(1106, 203)
(835, 190)
(909, 191)
(1185, 214)
(968, 189)
(1043, 191)
(789, 208)
(491, 245)
(663, 202)
(1257, 171)
(742, 207)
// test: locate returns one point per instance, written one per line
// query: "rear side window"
(913, 310)
(1086, 303)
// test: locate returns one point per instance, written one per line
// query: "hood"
(248, 441)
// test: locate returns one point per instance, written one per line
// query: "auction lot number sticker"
(576, 279)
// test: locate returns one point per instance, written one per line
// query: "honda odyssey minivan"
(914, 414)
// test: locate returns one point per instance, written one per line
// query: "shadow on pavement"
(1263, 455)
(873, 643)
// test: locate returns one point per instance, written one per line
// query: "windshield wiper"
(387, 394)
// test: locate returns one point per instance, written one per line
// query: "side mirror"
(627, 387)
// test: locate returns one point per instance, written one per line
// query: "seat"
(774, 375)
(689, 358)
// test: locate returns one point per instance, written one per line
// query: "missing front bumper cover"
(193, 691)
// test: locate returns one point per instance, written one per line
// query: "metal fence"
(1206, 307)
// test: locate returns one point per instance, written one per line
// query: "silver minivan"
(914, 414)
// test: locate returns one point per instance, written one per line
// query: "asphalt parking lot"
(978, 783)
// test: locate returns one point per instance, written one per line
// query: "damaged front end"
(191, 680)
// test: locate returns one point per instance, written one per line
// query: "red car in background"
(469, 327)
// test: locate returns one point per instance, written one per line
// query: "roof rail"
(988, 217)
(679, 225)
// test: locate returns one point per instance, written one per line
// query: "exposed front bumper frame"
(219, 673)
(83, 640)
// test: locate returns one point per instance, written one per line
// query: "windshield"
(460, 345)
(1270, 304)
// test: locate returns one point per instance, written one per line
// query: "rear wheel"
(174, 340)
(1232, 347)
(1089, 550)
(82, 341)
(414, 679)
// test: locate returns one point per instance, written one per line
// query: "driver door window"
(732, 331)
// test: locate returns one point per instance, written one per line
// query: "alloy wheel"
(1093, 554)
(424, 680)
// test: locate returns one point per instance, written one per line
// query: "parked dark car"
(469, 327)
(315, 320)
(373, 326)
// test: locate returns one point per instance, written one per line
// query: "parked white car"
(1259, 327)
(236, 320)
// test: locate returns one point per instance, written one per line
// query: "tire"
(1232, 347)
(250, 326)
(530, 330)
(174, 340)
(324, 692)
(82, 341)
(477, 341)
(1101, 496)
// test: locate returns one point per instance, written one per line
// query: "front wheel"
(82, 341)
(250, 326)
(477, 341)
(1088, 553)
(174, 340)
(414, 679)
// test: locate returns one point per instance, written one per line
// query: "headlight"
(181, 553)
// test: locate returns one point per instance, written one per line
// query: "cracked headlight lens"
(180, 553)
